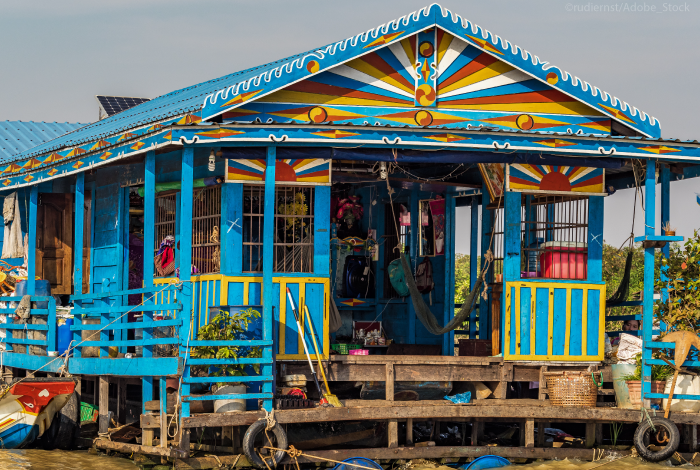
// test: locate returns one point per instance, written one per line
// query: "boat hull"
(28, 407)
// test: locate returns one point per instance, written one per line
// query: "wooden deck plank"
(513, 412)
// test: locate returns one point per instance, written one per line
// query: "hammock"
(623, 289)
(423, 311)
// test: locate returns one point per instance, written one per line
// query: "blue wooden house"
(312, 173)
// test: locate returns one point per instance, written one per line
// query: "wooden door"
(54, 243)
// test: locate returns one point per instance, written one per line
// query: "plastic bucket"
(228, 406)
(64, 334)
(622, 392)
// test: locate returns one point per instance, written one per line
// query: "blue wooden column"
(596, 209)
(231, 228)
(78, 252)
(648, 300)
(186, 294)
(268, 267)
(448, 339)
(31, 239)
(414, 243)
(665, 180)
(473, 261)
(511, 271)
(149, 221)
(486, 227)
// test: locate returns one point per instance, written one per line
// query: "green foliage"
(680, 274)
(227, 327)
(461, 277)
(658, 373)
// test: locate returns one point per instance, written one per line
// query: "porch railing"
(14, 330)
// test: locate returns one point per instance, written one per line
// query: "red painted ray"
(589, 182)
(481, 61)
(315, 173)
(546, 96)
(377, 62)
(308, 86)
(237, 171)
(440, 34)
(413, 42)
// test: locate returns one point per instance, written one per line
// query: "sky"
(57, 55)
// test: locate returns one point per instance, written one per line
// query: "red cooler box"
(564, 260)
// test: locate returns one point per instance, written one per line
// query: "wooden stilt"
(590, 435)
(393, 426)
(409, 432)
(542, 395)
(530, 433)
(477, 432)
(103, 403)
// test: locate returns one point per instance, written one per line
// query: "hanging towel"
(12, 244)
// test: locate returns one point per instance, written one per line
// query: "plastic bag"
(629, 347)
(465, 397)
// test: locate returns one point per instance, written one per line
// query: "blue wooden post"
(448, 339)
(78, 250)
(414, 252)
(186, 189)
(123, 264)
(231, 228)
(268, 267)
(149, 221)
(486, 226)
(595, 239)
(511, 267)
(665, 180)
(648, 300)
(473, 261)
(31, 240)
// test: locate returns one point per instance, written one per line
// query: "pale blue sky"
(57, 55)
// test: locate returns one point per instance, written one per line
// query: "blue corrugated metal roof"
(18, 136)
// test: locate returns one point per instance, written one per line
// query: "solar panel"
(111, 105)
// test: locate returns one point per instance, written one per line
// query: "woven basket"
(572, 389)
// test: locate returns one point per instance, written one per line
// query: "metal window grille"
(206, 219)
(391, 240)
(294, 229)
(497, 217)
(554, 238)
(166, 215)
(253, 211)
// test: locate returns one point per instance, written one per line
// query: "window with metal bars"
(555, 238)
(293, 236)
(206, 221)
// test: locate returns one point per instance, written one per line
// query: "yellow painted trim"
(533, 320)
(517, 321)
(601, 320)
(550, 313)
(584, 321)
(567, 328)
(506, 336)
(282, 334)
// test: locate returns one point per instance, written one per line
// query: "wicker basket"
(572, 389)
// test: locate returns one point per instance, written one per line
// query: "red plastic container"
(564, 260)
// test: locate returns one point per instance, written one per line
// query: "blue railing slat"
(240, 360)
(131, 308)
(132, 342)
(32, 342)
(248, 396)
(676, 396)
(33, 311)
(254, 342)
(107, 295)
(128, 326)
(239, 378)
(19, 326)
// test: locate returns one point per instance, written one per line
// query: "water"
(628, 463)
(35, 459)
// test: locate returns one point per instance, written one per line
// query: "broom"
(332, 399)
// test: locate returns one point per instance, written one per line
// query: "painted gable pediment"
(430, 78)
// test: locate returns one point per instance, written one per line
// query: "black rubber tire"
(68, 421)
(642, 439)
(256, 429)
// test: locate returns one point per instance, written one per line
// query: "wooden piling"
(103, 424)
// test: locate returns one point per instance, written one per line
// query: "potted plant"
(226, 326)
(659, 375)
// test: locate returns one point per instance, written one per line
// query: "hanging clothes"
(437, 209)
(12, 243)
